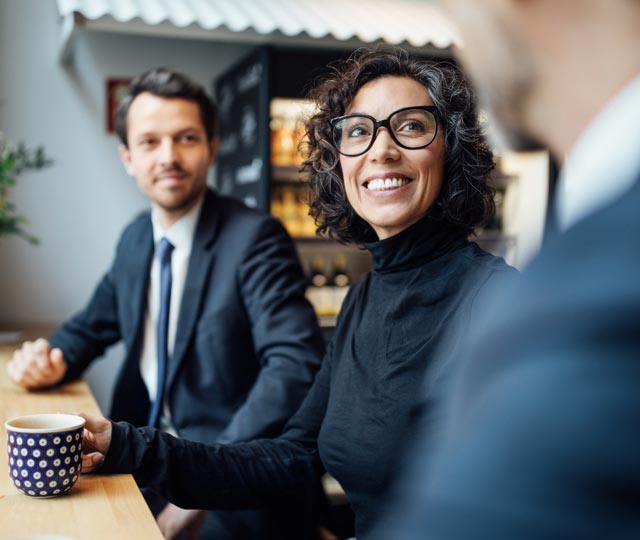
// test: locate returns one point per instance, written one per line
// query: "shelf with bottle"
(328, 286)
(290, 174)
(288, 190)
(499, 177)
(494, 236)
(287, 127)
(288, 204)
(330, 266)
(504, 185)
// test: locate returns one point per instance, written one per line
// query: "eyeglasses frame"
(385, 123)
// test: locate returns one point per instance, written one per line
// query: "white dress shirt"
(181, 235)
(605, 161)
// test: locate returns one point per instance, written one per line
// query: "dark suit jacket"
(540, 438)
(247, 344)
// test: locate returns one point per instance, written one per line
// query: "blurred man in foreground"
(540, 437)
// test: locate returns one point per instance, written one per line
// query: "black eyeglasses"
(411, 128)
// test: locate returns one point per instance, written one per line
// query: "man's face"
(168, 152)
(496, 56)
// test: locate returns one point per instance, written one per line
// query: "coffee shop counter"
(96, 508)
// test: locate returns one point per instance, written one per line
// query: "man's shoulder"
(235, 216)
(139, 226)
(232, 208)
(595, 251)
(580, 293)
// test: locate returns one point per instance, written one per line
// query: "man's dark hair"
(465, 200)
(166, 83)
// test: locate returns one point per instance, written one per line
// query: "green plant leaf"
(14, 161)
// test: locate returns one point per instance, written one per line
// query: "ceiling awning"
(346, 23)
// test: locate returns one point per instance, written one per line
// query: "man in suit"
(540, 434)
(206, 294)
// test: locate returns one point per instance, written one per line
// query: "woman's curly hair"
(465, 200)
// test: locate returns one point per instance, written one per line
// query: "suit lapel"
(200, 262)
(139, 256)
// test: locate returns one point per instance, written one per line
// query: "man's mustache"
(176, 168)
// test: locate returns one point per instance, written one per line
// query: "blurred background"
(63, 64)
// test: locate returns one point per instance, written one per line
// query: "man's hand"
(37, 365)
(174, 520)
(96, 441)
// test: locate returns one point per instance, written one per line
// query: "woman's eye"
(412, 126)
(358, 131)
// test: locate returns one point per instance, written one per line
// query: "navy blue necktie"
(163, 252)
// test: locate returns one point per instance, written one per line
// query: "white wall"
(79, 206)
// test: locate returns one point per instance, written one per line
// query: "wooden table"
(96, 508)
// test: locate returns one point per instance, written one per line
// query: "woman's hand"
(96, 441)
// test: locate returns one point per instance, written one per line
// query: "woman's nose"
(384, 147)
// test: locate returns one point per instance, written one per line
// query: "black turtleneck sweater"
(397, 325)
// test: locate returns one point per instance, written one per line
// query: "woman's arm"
(195, 475)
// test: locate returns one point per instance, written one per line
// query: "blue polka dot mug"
(45, 453)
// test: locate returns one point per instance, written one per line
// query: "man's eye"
(188, 138)
(146, 143)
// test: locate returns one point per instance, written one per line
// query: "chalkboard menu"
(242, 94)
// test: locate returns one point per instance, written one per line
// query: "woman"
(398, 164)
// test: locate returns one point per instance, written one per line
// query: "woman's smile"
(385, 183)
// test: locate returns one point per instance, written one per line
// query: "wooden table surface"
(96, 508)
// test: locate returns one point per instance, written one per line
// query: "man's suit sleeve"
(548, 450)
(285, 334)
(86, 335)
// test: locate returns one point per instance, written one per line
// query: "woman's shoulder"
(485, 274)
(481, 259)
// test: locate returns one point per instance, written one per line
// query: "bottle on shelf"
(283, 145)
(299, 136)
(288, 131)
(318, 292)
(289, 206)
(290, 212)
(308, 223)
(339, 283)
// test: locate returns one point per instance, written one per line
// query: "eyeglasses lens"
(411, 128)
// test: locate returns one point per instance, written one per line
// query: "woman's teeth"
(382, 184)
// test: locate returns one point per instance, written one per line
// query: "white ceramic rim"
(65, 422)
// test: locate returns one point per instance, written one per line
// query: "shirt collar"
(181, 233)
(605, 160)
